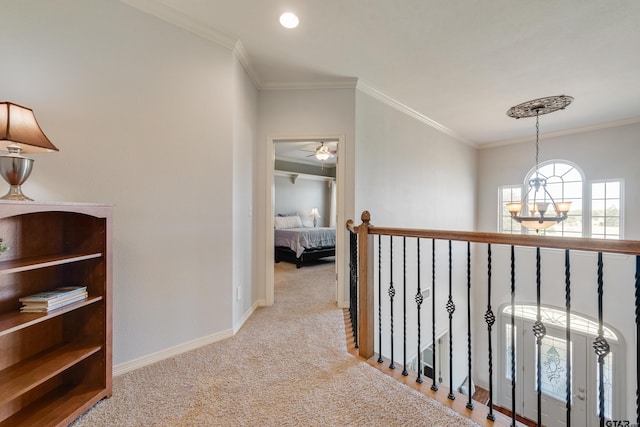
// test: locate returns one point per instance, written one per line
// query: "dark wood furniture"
(309, 255)
(54, 366)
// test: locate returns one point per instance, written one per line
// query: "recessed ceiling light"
(289, 20)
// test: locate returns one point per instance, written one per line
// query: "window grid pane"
(508, 194)
(564, 183)
(605, 210)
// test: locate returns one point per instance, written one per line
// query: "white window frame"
(587, 200)
(621, 212)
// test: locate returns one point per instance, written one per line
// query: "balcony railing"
(391, 279)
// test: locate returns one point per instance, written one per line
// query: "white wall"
(408, 174)
(302, 196)
(245, 122)
(601, 154)
(140, 112)
(297, 113)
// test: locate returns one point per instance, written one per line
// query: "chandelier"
(533, 211)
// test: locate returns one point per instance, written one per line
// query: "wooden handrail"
(627, 247)
(365, 232)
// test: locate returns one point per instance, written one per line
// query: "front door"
(584, 371)
(553, 367)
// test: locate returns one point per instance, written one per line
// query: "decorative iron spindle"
(567, 303)
(353, 284)
(513, 336)
(392, 293)
(469, 401)
(539, 331)
(380, 299)
(600, 345)
(637, 340)
(490, 318)
(450, 309)
(419, 300)
(404, 307)
(434, 385)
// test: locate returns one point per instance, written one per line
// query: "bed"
(297, 244)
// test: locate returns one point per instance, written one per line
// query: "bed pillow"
(288, 214)
(280, 222)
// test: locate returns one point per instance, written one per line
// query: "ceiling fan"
(322, 152)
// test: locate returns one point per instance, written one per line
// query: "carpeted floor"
(287, 366)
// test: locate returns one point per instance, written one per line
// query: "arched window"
(596, 207)
(564, 183)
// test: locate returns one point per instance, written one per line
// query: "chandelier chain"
(537, 142)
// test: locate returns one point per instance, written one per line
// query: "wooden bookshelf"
(54, 366)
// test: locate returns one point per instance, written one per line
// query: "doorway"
(553, 366)
(340, 252)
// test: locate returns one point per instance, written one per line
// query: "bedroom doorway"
(309, 170)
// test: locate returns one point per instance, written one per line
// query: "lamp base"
(15, 169)
(15, 193)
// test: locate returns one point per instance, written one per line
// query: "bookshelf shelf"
(12, 322)
(56, 365)
(16, 266)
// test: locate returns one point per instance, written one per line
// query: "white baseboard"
(149, 359)
(246, 316)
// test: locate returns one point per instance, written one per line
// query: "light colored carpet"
(287, 366)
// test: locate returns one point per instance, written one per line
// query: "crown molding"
(338, 83)
(243, 57)
(599, 126)
(386, 99)
(179, 19)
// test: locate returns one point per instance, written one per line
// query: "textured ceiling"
(459, 63)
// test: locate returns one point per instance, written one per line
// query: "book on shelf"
(43, 302)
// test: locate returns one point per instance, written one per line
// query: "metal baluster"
(469, 402)
(490, 318)
(392, 293)
(567, 299)
(434, 385)
(404, 306)
(380, 299)
(419, 300)
(600, 345)
(513, 336)
(450, 309)
(353, 270)
(638, 340)
(539, 331)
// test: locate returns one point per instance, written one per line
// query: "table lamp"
(19, 132)
(315, 215)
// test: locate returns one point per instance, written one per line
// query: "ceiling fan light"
(322, 156)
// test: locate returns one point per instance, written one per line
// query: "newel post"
(365, 288)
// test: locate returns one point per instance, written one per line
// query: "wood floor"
(478, 414)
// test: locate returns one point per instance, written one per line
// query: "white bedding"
(299, 239)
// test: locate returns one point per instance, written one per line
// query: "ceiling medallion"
(540, 106)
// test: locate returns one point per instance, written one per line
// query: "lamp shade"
(314, 213)
(19, 128)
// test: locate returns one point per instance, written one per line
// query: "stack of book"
(44, 302)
